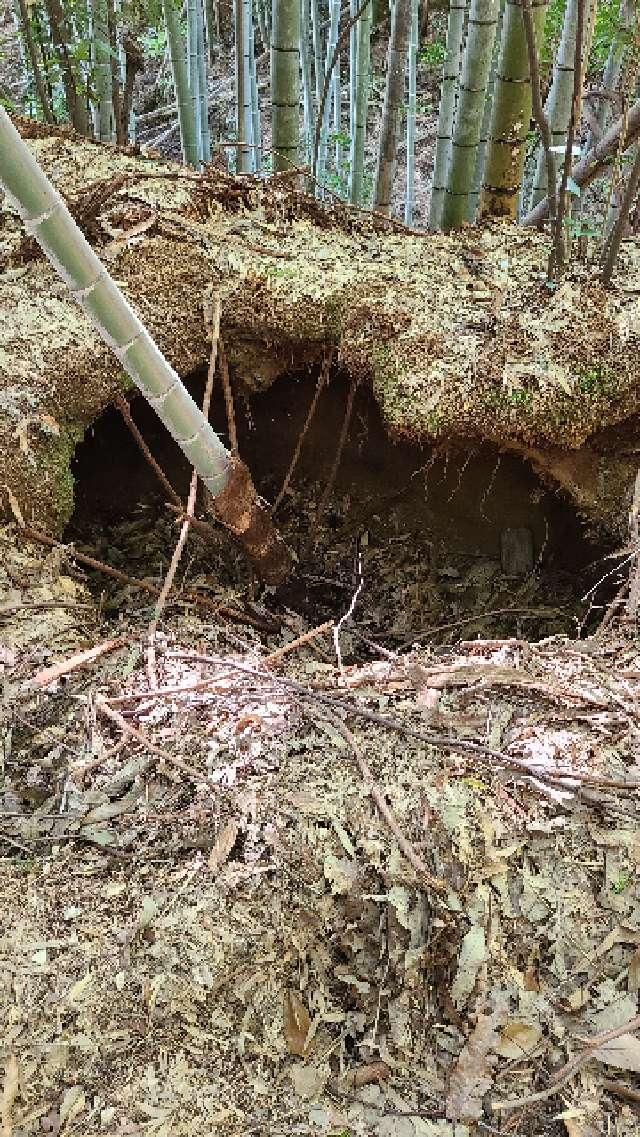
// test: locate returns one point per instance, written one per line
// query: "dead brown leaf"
(471, 1076)
(296, 1023)
(223, 846)
(366, 1075)
(10, 1089)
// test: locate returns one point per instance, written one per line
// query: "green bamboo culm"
(321, 141)
(511, 116)
(485, 129)
(558, 104)
(446, 111)
(103, 116)
(186, 105)
(244, 118)
(47, 219)
(392, 106)
(24, 20)
(361, 103)
(481, 30)
(285, 83)
(411, 114)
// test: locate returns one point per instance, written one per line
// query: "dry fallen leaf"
(15, 507)
(296, 1023)
(623, 1052)
(365, 1075)
(223, 846)
(309, 1081)
(9, 1094)
(471, 1076)
(518, 1039)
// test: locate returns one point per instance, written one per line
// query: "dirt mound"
(458, 336)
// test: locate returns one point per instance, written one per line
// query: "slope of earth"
(458, 336)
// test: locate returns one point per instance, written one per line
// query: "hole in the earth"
(443, 535)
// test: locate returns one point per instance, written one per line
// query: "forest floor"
(254, 888)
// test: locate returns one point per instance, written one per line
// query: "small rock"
(516, 551)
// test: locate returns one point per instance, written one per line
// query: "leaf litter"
(210, 925)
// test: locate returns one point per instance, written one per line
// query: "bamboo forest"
(319, 568)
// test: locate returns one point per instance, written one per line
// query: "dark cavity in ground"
(433, 529)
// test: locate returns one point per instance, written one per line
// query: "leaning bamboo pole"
(621, 136)
(47, 219)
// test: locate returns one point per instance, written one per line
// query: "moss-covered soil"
(459, 337)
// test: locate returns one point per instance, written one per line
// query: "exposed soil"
(427, 522)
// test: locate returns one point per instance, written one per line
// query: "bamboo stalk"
(285, 83)
(446, 112)
(481, 30)
(186, 116)
(24, 22)
(392, 106)
(411, 114)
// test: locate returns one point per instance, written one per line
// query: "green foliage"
(597, 380)
(339, 138)
(519, 397)
(580, 227)
(433, 53)
(604, 32)
(154, 42)
(620, 884)
(606, 26)
(552, 29)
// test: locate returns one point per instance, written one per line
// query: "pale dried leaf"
(223, 846)
(471, 1075)
(518, 1039)
(623, 1052)
(72, 1104)
(79, 989)
(472, 955)
(633, 982)
(342, 874)
(10, 1089)
(309, 1081)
